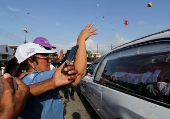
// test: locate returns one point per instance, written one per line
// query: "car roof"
(159, 35)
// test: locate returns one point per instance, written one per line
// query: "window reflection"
(147, 75)
(91, 68)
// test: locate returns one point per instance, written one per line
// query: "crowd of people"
(40, 79)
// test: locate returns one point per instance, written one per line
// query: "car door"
(95, 95)
(95, 91)
(88, 78)
(103, 100)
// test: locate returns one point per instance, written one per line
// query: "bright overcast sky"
(61, 21)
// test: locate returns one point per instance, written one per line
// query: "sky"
(61, 21)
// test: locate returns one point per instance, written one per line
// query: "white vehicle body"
(132, 81)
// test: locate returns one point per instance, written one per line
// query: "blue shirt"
(47, 105)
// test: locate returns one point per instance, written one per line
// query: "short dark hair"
(14, 53)
(15, 69)
(55, 54)
(68, 51)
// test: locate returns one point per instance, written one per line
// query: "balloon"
(126, 22)
(149, 4)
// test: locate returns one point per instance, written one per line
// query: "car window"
(91, 69)
(4, 56)
(88, 65)
(147, 75)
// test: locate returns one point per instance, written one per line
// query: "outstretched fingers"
(91, 25)
(93, 31)
(88, 25)
(87, 32)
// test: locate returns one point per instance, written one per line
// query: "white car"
(132, 81)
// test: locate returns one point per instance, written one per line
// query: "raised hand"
(61, 52)
(87, 32)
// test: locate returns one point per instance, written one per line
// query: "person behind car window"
(12, 101)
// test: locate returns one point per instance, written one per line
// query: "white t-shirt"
(51, 67)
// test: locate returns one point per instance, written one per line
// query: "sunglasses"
(47, 57)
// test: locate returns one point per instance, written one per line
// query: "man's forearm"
(41, 87)
(8, 115)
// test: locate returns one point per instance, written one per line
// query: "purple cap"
(43, 41)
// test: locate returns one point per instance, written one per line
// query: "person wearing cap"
(34, 64)
(45, 43)
(56, 62)
(34, 61)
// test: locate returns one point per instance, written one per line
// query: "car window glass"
(148, 75)
(99, 71)
(91, 68)
(88, 65)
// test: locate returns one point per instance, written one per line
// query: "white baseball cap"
(27, 50)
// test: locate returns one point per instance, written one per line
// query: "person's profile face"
(55, 57)
(43, 62)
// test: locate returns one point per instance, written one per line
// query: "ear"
(33, 64)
